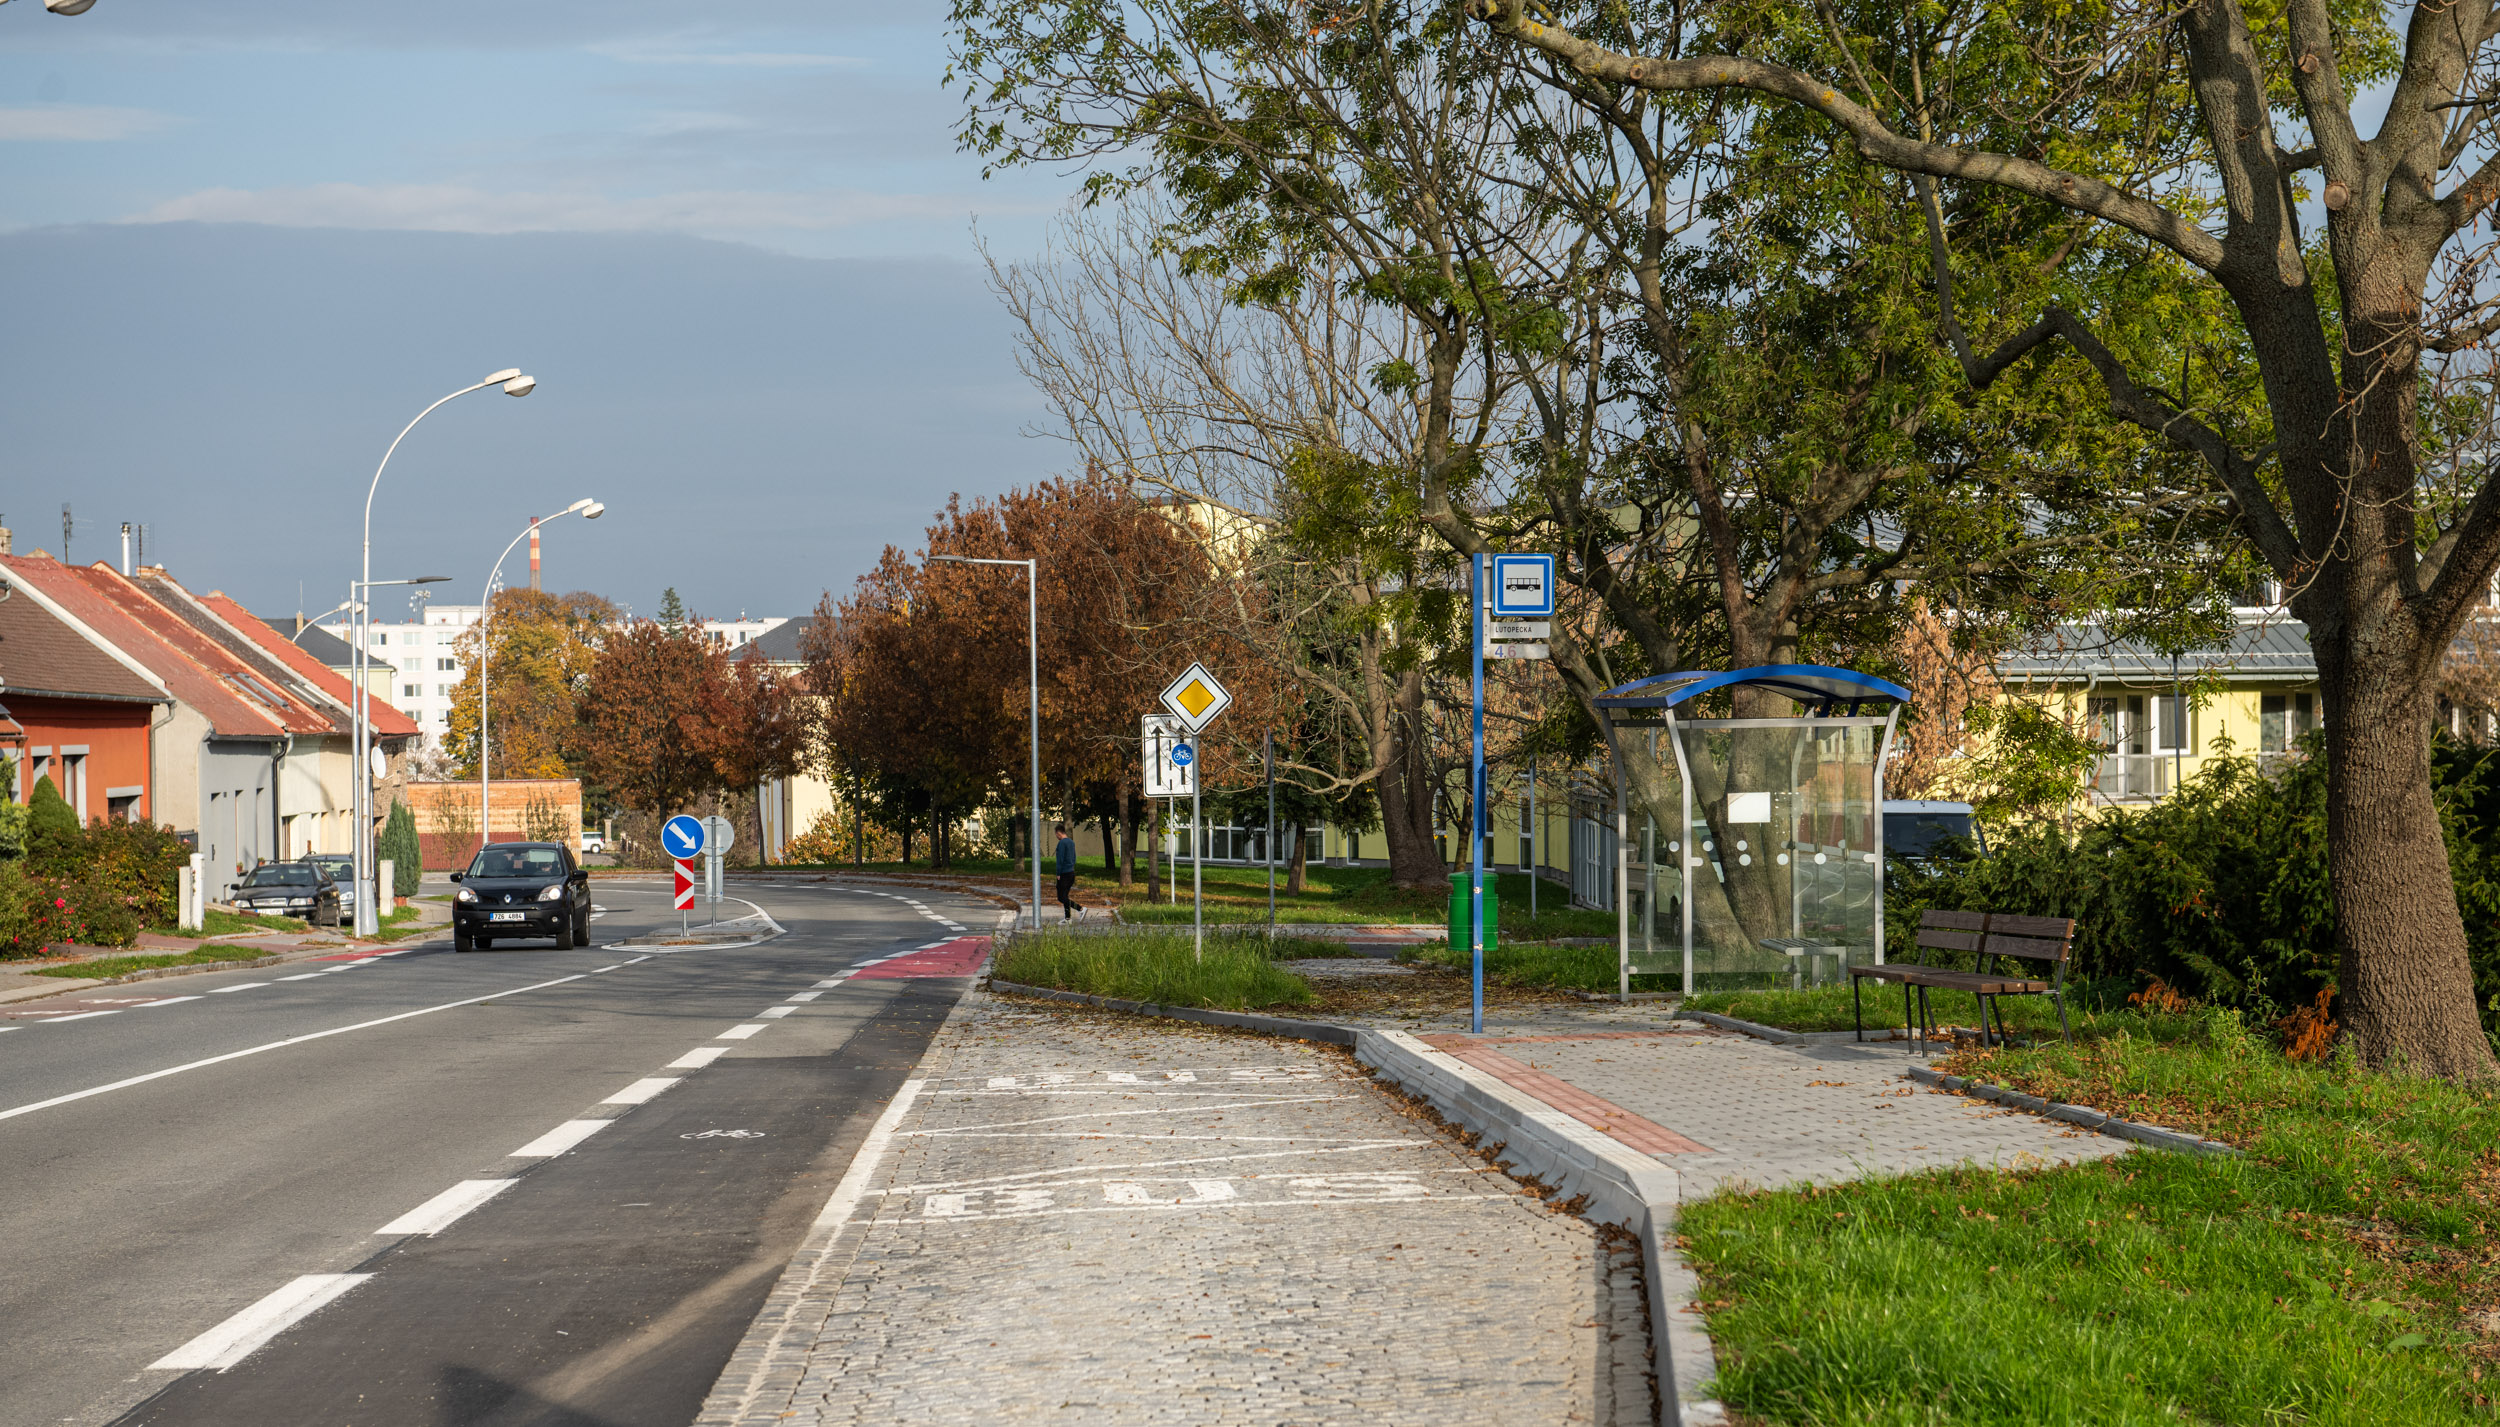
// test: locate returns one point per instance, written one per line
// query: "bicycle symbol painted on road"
(724, 1135)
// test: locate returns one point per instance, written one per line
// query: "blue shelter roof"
(1818, 685)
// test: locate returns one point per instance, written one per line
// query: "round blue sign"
(682, 835)
(1183, 755)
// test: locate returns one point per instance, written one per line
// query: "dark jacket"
(1066, 856)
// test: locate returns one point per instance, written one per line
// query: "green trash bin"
(1460, 930)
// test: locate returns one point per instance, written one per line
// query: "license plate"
(509, 916)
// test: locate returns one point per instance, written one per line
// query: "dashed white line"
(307, 976)
(81, 1016)
(438, 1213)
(836, 981)
(167, 1001)
(271, 1045)
(563, 1137)
(807, 995)
(246, 986)
(597, 969)
(695, 1059)
(738, 1033)
(232, 1341)
(774, 1014)
(639, 1092)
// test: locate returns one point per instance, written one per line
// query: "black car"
(521, 889)
(290, 889)
(342, 869)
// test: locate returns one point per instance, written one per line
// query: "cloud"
(40, 123)
(456, 208)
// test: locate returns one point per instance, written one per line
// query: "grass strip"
(223, 923)
(1147, 965)
(1826, 1008)
(1582, 968)
(107, 966)
(2339, 1271)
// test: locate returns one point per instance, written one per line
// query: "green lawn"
(1826, 1008)
(149, 961)
(1350, 894)
(1235, 973)
(224, 923)
(2327, 1276)
(1583, 968)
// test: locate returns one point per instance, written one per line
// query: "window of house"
(2118, 722)
(2174, 724)
(446, 665)
(2282, 719)
(442, 691)
(412, 691)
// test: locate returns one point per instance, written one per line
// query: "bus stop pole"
(1476, 832)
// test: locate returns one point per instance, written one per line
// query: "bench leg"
(1926, 1029)
(1857, 1012)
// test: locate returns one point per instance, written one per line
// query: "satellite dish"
(381, 765)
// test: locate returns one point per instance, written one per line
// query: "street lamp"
(65, 7)
(1033, 669)
(514, 384)
(587, 509)
(359, 605)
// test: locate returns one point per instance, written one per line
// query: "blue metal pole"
(1475, 1015)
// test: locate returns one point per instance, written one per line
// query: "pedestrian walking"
(1067, 873)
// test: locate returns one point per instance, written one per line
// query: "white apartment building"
(417, 661)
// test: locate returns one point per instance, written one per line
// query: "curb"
(2081, 1116)
(1620, 1185)
(82, 983)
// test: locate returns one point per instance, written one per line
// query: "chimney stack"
(533, 552)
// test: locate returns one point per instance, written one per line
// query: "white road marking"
(1126, 1114)
(774, 1014)
(846, 1195)
(563, 1137)
(307, 976)
(834, 982)
(246, 986)
(699, 1057)
(234, 1340)
(639, 1092)
(597, 969)
(737, 1033)
(81, 1016)
(271, 1045)
(437, 1214)
(168, 1001)
(807, 995)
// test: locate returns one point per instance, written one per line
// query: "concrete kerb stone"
(1618, 1185)
(2080, 1116)
(1776, 1036)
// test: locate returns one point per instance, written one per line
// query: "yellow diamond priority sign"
(1196, 698)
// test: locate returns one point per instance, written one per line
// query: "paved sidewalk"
(1727, 1110)
(1089, 1217)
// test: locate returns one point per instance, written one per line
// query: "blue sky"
(249, 238)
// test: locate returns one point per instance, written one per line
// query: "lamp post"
(65, 7)
(587, 509)
(1033, 671)
(513, 384)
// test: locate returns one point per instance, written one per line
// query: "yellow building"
(2161, 718)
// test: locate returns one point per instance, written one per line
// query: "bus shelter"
(1759, 857)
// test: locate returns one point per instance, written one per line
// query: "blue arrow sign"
(682, 835)
(1183, 755)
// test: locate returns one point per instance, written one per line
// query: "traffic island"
(751, 930)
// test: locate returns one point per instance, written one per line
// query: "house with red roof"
(256, 758)
(74, 710)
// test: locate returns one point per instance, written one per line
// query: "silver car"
(342, 869)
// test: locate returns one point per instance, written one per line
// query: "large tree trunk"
(1128, 838)
(2405, 992)
(1294, 880)
(1154, 852)
(1405, 787)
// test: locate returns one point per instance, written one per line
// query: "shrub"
(134, 866)
(399, 844)
(52, 831)
(2218, 891)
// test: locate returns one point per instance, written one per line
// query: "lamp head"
(592, 510)
(429, 579)
(583, 504)
(68, 7)
(520, 386)
(505, 375)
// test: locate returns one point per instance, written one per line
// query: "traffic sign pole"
(1475, 897)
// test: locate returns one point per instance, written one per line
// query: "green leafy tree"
(399, 846)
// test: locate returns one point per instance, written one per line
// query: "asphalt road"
(514, 1186)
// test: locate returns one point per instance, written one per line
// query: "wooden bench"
(1993, 937)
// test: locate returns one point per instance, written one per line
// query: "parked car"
(290, 889)
(342, 869)
(1915, 832)
(521, 889)
(594, 841)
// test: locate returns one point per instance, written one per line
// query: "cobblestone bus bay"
(1092, 1218)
